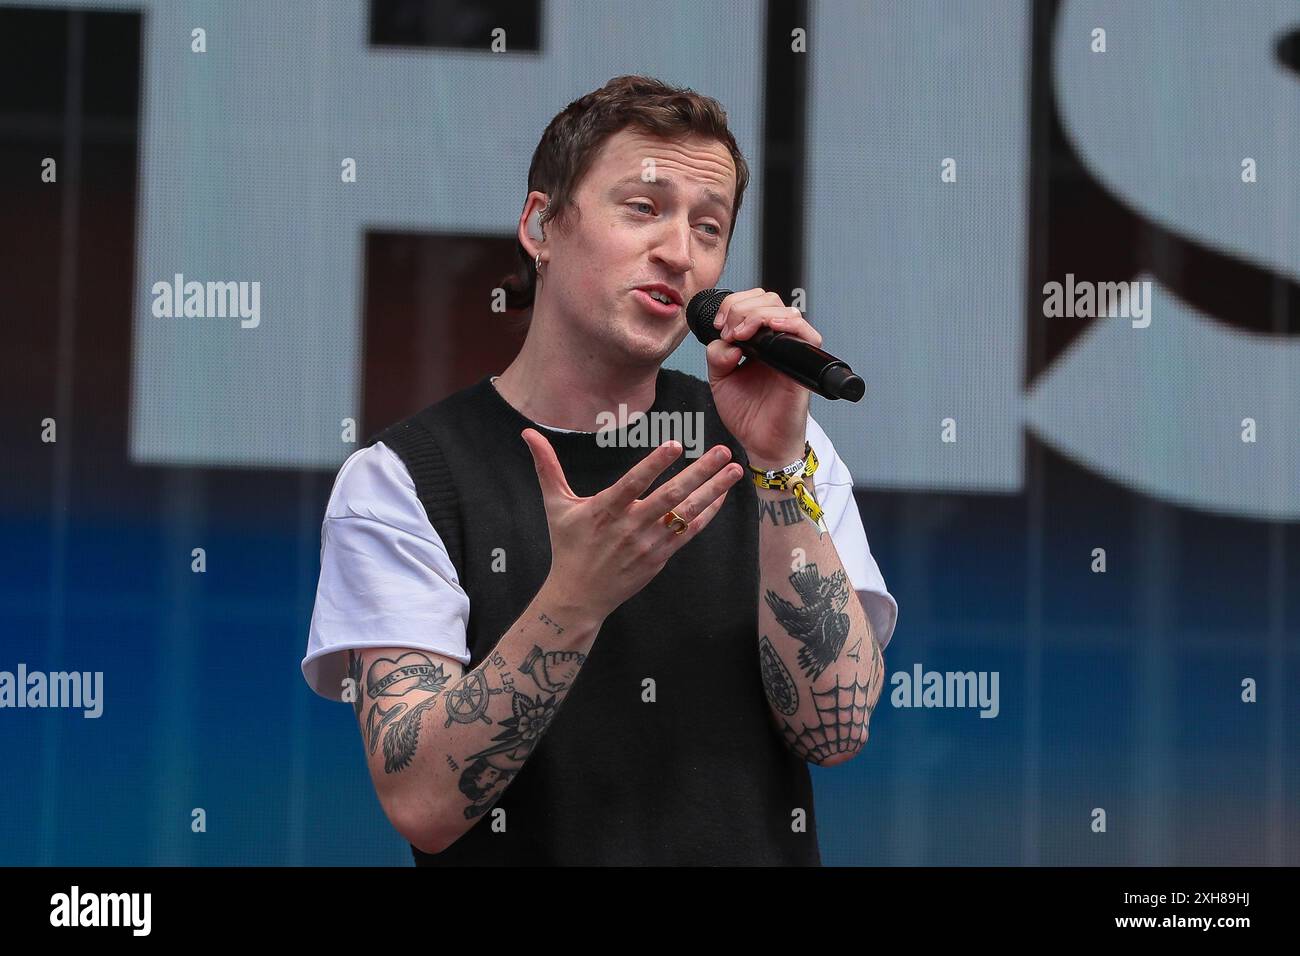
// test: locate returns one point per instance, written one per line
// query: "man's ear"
(533, 223)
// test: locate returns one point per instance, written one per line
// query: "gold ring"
(676, 522)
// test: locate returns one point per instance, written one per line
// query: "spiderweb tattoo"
(842, 713)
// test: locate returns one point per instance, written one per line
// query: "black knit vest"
(698, 777)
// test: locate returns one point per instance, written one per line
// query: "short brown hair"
(571, 141)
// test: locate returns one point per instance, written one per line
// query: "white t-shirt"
(386, 579)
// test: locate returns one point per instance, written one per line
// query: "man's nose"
(675, 248)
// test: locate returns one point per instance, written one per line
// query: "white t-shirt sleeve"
(833, 487)
(385, 577)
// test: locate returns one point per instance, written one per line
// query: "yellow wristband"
(790, 478)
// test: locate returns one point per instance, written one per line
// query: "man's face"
(634, 232)
(486, 777)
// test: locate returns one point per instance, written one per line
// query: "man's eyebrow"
(663, 182)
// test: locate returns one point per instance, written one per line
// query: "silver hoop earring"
(537, 264)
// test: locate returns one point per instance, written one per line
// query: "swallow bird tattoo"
(820, 624)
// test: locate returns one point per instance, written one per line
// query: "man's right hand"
(606, 548)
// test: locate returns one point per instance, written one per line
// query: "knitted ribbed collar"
(580, 446)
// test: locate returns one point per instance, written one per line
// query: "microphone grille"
(702, 310)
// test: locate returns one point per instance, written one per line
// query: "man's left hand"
(766, 410)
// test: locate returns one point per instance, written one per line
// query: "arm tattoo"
(820, 625)
(468, 701)
(552, 671)
(410, 673)
(843, 712)
(484, 779)
(378, 719)
(395, 678)
(523, 728)
(488, 771)
(355, 666)
(400, 742)
(788, 508)
(782, 692)
(877, 676)
(784, 513)
(483, 782)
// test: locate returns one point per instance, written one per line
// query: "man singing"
(564, 647)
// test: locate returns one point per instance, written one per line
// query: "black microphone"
(804, 362)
